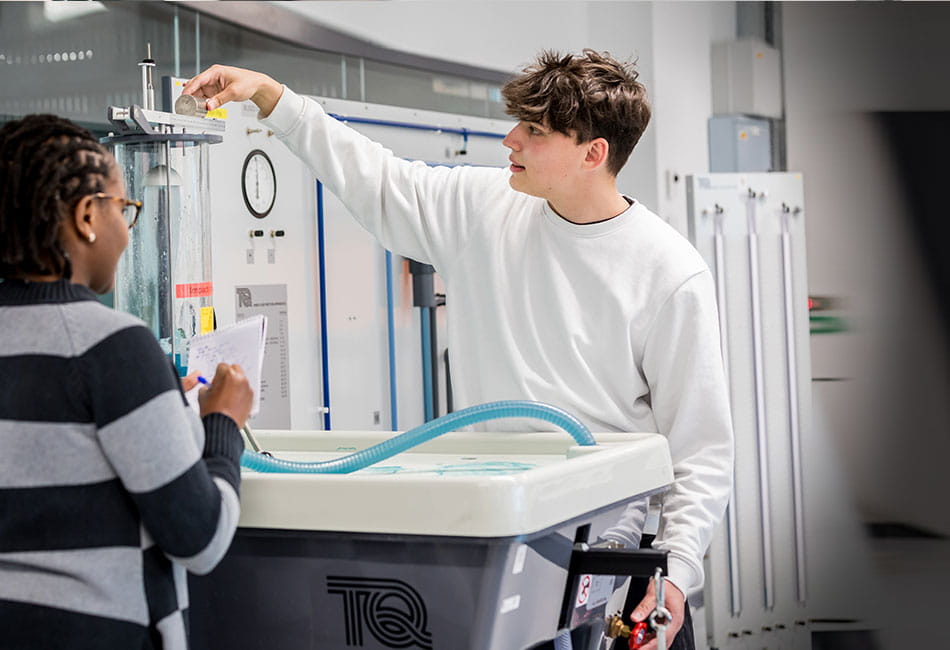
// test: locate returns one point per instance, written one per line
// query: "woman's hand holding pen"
(229, 393)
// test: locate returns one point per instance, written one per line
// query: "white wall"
(890, 417)
(670, 40)
(683, 33)
(499, 35)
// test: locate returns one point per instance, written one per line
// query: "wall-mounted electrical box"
(746, 78)
(738, 143)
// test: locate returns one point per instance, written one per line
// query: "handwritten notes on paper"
(241, 343)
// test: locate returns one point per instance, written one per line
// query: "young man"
(563, 290)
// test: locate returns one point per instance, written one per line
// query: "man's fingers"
(220, 99)
(672, 629)
(643, 609)
(196, 84)
(652, 643)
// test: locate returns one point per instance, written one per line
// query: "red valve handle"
(638, 634)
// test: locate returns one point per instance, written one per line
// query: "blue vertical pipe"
(391, 331)
(322, 266)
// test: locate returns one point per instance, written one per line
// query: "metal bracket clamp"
(593, 560)
(249, 436)
(123, 118)
(660, 617)
(638, 563)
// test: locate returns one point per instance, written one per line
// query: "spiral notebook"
(241, 343)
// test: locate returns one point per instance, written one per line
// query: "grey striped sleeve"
(153, 444)
(204, 561)
(72, 580)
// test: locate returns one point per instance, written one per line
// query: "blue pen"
(202, 380)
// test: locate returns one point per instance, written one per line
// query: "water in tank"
(164, 277)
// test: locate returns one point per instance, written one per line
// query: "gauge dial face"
(259, 183)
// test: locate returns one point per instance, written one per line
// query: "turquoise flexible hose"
(428, 431)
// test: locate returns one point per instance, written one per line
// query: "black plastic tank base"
(306, 590)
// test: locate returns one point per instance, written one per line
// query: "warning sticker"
(583, 590)
(601, 589)
(193, 290)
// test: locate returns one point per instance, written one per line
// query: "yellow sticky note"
(207, 319)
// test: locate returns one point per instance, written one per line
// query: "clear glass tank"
(164, 277)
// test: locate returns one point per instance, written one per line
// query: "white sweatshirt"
(614, 321)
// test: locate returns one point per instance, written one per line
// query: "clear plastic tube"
(424, 433)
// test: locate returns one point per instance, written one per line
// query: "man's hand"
(673, 600)
(221, 84)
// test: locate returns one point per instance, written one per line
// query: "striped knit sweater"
(110, 487)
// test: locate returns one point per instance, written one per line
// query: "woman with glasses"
(111, 487)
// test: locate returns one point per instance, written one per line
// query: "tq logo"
(392, 611)
(244, 297)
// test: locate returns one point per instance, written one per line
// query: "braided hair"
(47, 164)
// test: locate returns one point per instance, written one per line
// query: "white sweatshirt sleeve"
(413, 209)
(683, 366)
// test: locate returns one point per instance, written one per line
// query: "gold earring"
(92, 237)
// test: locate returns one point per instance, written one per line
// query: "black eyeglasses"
(130, 211)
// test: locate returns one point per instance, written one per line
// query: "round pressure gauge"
(259, 183)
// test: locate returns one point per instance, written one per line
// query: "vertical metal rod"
(761, 435)
(434, 357)
(145, 76)
(659, 583)
(177, 43)
(449, 405)
(249, 436)
(343, 76)
(391, 343)
(197, 43)
(792, 365)
(426, 344)
(362, 80)
(149, 87)
(169, 254)
(162, 239)
(732, 541)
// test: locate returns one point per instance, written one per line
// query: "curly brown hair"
(586, 96)
(47, 164)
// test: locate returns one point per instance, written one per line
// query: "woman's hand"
(229, 394)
